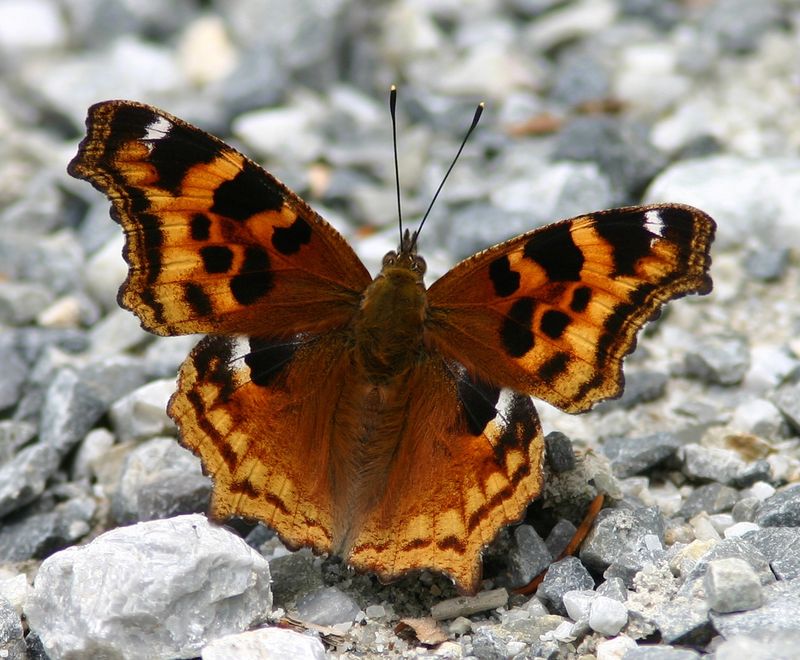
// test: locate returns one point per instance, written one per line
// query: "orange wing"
(552, 312)
(284, 430)
(215, 244)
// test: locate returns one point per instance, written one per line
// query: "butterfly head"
(405, 257)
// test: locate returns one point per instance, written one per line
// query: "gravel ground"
(590, 104)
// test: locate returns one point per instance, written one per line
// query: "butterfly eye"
(419, 265)
(390, 259)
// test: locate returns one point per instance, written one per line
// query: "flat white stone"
(156, 590)
(265, 644)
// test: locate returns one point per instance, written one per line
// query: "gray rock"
(265, 644)
(327, 607)
(778, 614)
(740, 24)
(15, 372)
(781, 510)
(528, 556)
(661, 653)
(294, 574)
(559, 537)
(12, 637)
(13, 436)
(745, 509)
(566, 575)
(580, 77)
(613, 588)
(767, 264)
(737, 548)
(719, 359)
(55, 260)
(662, 13)
(619, 540)
(622, 150)
(631, 456)
(136, 592)
(24, 477)
(781, 547)
(711, 498)
(22, 302)
(31, 342)
(641, 386)
(732, 585)
(751, 473)
(71, 408)
(787, 400)
(487, 644)
(39, 535)
(760, 645)
(559, 452)
(117, 332)
(160, 479)
(711, 463)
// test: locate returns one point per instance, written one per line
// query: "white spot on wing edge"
(157, 129)
(654, 223)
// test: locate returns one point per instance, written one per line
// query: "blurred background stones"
(590, 104)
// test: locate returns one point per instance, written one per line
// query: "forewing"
(553, 312)
(215, 244)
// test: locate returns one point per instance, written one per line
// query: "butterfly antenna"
(475, 119)
(392, 106)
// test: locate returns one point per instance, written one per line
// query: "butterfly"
(371, 418)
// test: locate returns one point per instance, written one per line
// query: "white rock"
(265, 644)
(756, 198)
(740, 529)
(273, 131)
(205, 52)
(615, 649)
(757, 416)
(760, 489)
(578, 603)
(106, 270)
(143, 412)
(607, 616)
(15, 589)
(96, 443)
(154, 590)
(704, 529)
(30, 24)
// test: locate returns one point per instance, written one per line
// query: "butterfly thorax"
(389, 325)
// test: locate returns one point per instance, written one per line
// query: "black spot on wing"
(267, 359)
(554, 366)
(554, 250)
(152, 241)
(554, 322)
(505, 280)
(254, 279)
(580, 299)
(127, 123)
(216, 258)
(197, 299)
(180, 149)
(200, 227)
(478, 403)
(629, 239)
(212, 359)
(521, 427)
(248, 193)
(289, 240)
(515, 332)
